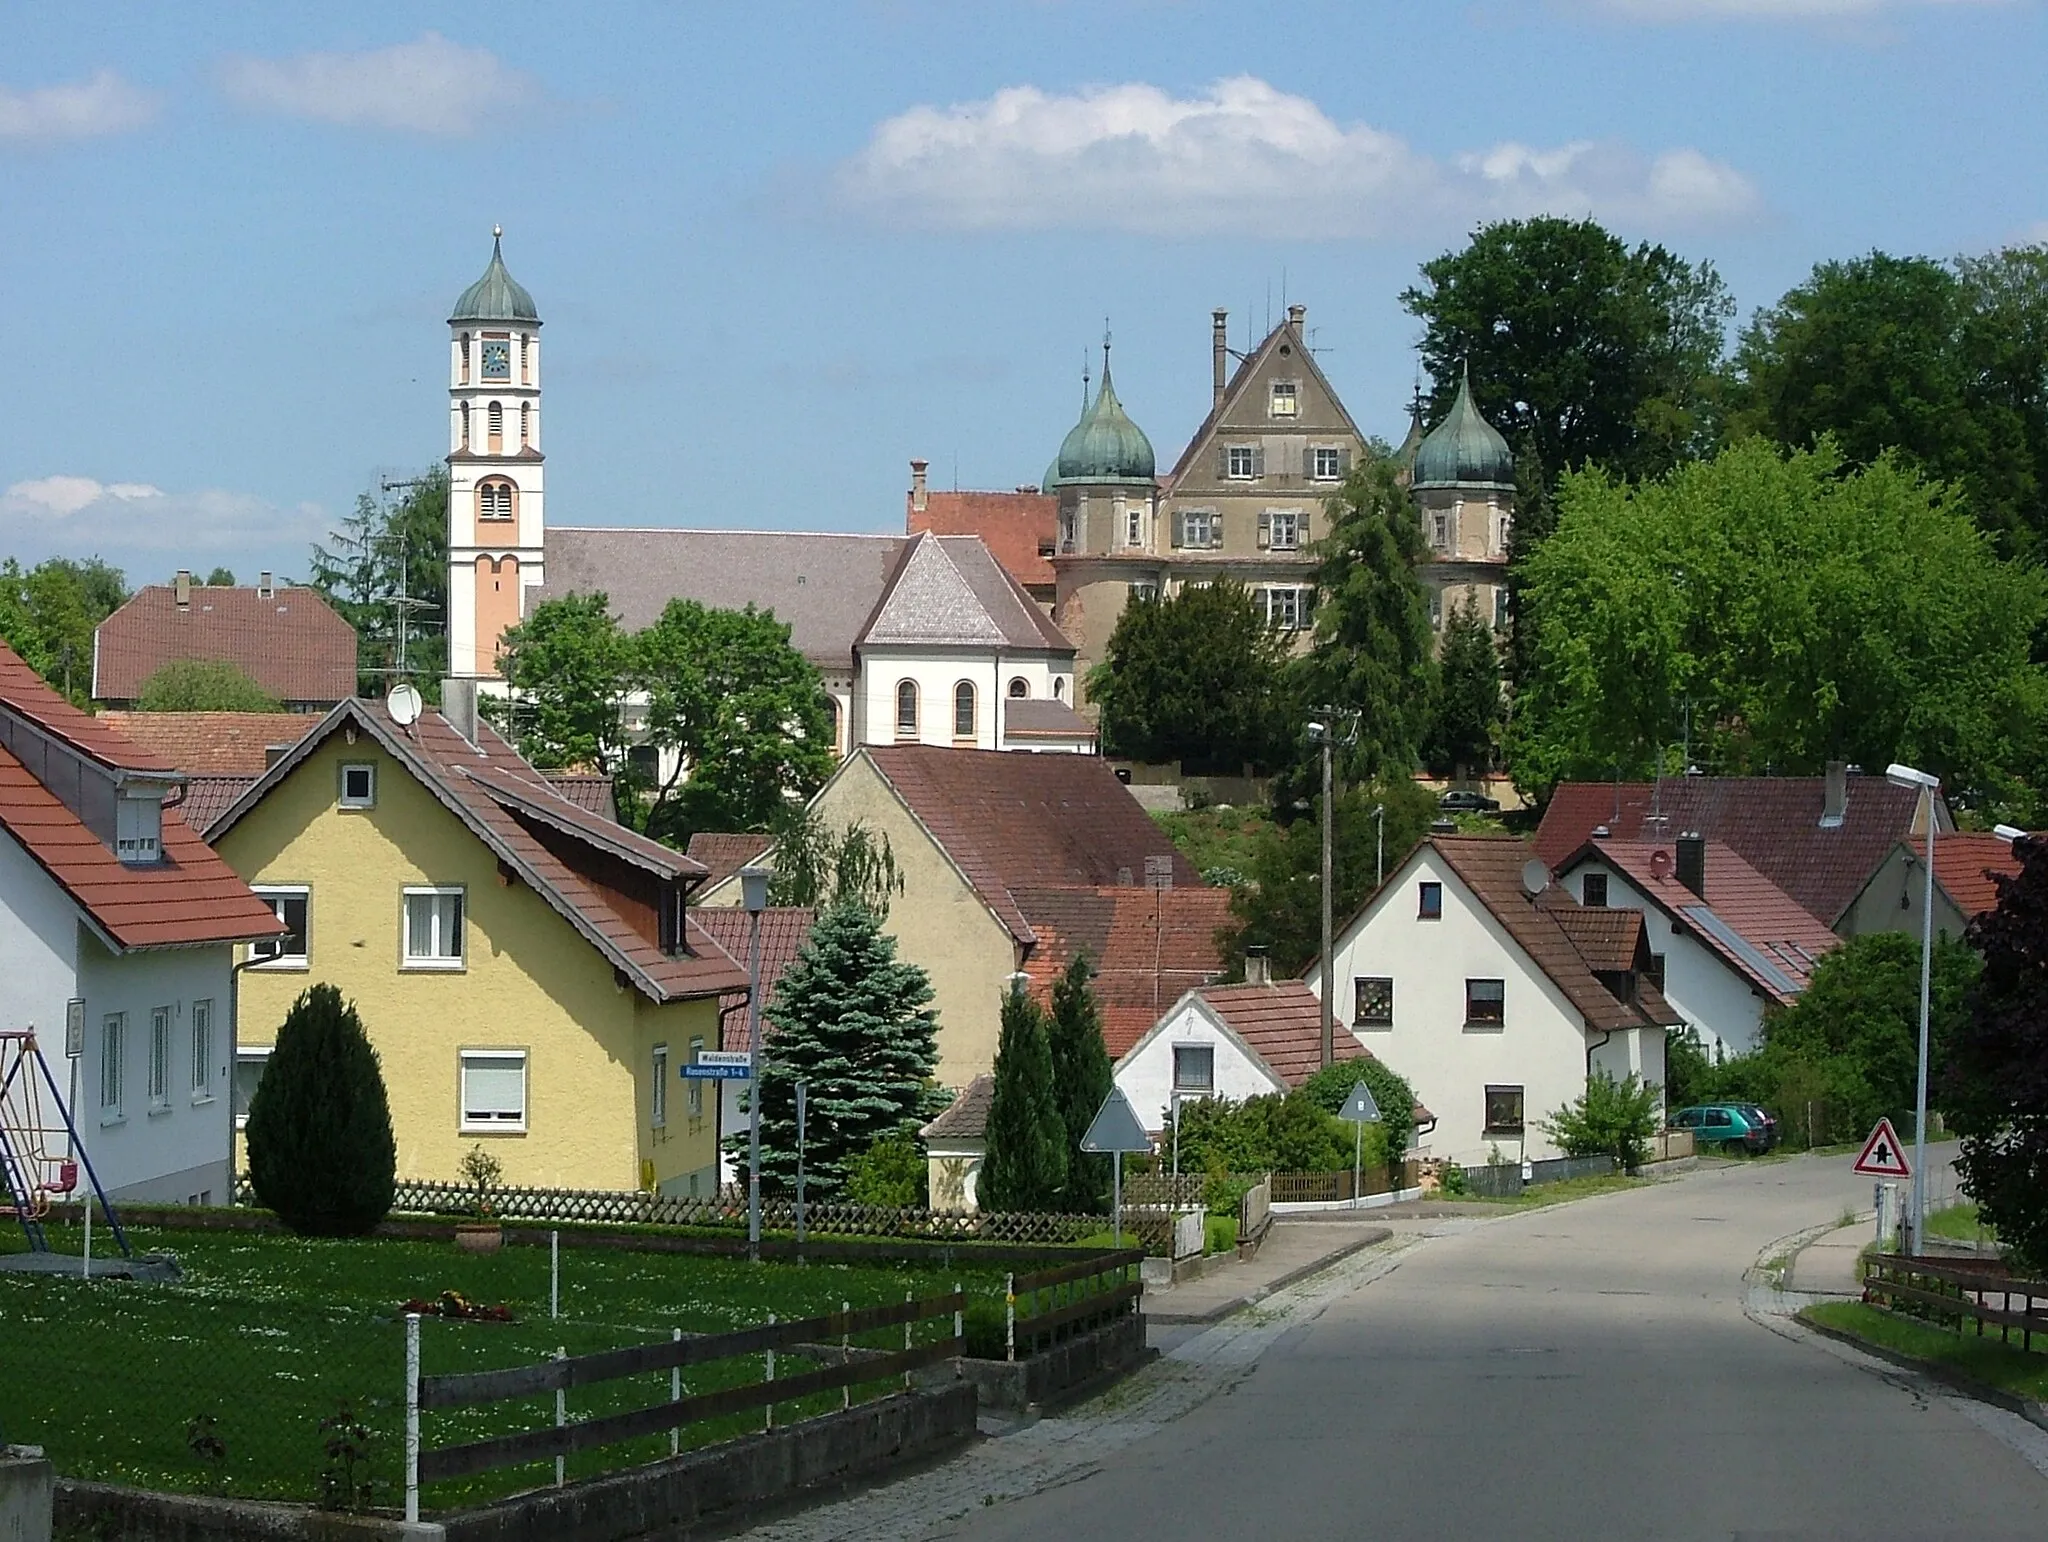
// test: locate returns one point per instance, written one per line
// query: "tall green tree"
(817, 866)
(1081, 1079)
(741, 714)
(386, 566)
(1465, 713)
(204, 685)
(321, 1151)
(2005, 336)
(571, 667)
(1196, 677)
(1025, 1168)
(1796, 613)
(853, 1022)
(48, 613)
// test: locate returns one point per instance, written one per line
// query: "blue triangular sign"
(1359, 1108)
(1116, 1126)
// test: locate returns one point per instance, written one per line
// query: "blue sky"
(781, 248)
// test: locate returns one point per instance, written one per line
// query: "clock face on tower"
(497, 359)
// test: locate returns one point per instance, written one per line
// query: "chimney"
(1296, 315)
(1692, 862)
(1159, 872)
(266, 586)
(1258, 968)
(917, 485)
(1219, 347)
(458, 706)
(1834, 806)
(181, 588)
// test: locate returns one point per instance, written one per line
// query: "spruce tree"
(852, 1022)
(1025, 1168)
(321, 1152)
(1081, 1079)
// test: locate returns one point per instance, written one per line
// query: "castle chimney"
(1219, 320)
(917, 485)
(1258, 967)
(266, 585)
(1296, 315)
(1692, 862)
(181, 588)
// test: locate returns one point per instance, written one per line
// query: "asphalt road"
(1586, 1371)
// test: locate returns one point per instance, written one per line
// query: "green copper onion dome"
(1105, 446)
(1464, 450)
(497, 296)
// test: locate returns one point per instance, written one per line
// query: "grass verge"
(1562, 1192)
(2007, 1367)
(1960, 1223)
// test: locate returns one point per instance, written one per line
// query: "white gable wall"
(1146, 1071)
(936, 671)
(1712, 995)
(1542, 1047)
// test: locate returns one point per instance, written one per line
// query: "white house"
(1495, 993)
(117, 929)
(1726, 944)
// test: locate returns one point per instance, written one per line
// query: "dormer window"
(1286, 399)
(138, 828)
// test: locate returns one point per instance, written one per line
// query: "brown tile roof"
(1608, 940)
(1755, 926)
(209, 797)
(966, 1117)
(1964, 865)
(1016, 821)
(556, 847)
(1147, 948)
(1282, 1023)
(1018, 527)
(725, 852)
(587, 791)
(1038, 718)
(289, 641)
(1771, 822)
(783, 930)
(213, 743)
(189, 898)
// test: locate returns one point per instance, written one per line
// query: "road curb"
(1375, 1236)
(1956, 1381)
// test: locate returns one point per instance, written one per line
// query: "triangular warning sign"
(1116, 1126)
(1359, 1108)
(1883, 1156)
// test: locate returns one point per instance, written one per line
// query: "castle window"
(1500, 609)
(1286, 399)
(1328, 465)
(525, 425)
(906, 709)
(1240, 463)
(963, 710)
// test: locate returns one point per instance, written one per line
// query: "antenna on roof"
(403, 603)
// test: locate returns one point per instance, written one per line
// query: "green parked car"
(1728, 1125)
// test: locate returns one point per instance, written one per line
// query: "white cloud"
(78, 516)
(430, 86)
(84, 109)
(1768, 10)
(1244, 158)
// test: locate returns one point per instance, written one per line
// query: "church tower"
(495, 529)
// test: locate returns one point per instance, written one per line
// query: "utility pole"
(1323, 731)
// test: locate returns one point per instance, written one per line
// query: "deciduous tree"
(571, 667)
(817, 866)
(48, 612)
(203, 685)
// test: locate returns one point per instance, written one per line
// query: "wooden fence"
(1953, 1297)
(1327, 1188)
(563, 1439)
(1254, 1216)
(1073, 1297)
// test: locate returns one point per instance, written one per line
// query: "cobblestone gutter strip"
(1062, 1450)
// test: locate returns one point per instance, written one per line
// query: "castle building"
(1462, 478)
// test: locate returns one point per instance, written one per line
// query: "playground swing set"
(40, 1155)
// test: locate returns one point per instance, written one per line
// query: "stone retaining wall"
(1062, 1370)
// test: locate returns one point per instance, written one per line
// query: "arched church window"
(465, 425)
(906, 709)
(525, 358)
(495, 416)
(963, 710)
(1020, 688)
(525, 425)
(462, 367)
(1059, 688)
(494, 500)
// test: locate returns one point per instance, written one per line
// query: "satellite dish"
(402, 701)
(1535, 876)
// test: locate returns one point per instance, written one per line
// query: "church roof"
(1464, 450)
(497, 296)
(950, 591)
(1105, 446)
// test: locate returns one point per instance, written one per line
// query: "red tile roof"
(22, 689)
(213, 743)
(1764, 934)
(1014, 821)
(724, 853)
(208, 797)
(1964, 865)
(587, 791)
(1018, 527)
(1147, 947)
(1283, 1024)
(1771, 822)
(1041, 718)
(289, 641)
(783, 930)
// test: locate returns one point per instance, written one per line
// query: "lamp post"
(754, 895)
(1379, 844)
(1321, 733)
(1927, 786)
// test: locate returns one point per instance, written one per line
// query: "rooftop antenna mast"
(403, 603)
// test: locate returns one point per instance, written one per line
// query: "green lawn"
(1536, 1195)
(268, 1334)
(2005, 1366)
(1959, 1223)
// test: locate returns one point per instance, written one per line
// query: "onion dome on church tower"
(497, 296)
(1105, 446)
(1464, 450)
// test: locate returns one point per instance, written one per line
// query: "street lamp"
(754, 895)
(2007, 833)
(1927, 786)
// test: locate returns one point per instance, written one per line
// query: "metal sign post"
(1116, 1129)
(1361, 1110)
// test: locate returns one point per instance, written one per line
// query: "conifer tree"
(851, 1021)
(321, 1152)
(1081, 1079)
(1025, 1168)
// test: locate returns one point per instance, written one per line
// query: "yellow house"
(525, 968)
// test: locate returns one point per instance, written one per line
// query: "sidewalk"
(1290, 1251)
(1828, 1265)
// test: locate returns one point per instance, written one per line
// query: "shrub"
(321, 1153)
(1613, 1117)
(1270, 1133)
(1332, 1085)
(891, 1173)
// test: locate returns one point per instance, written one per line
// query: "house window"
(1286, 399)
(202, 1048)
(1141, 591)
(291, 906)
(1285, 608)
(1594, 890)
(493, 1089)
(1240, 462)
(1194, 1068)
(1500, 609)
(138, 830)
(1327, 465)
(113, 1047)
(1283, 529)
(906, 709)
(1373, 1002)
(358, 784)
(963, 710)
(1656, 970)
(1429, 901)
(1020, 688)
(695, 1095)
(1436, 609)
(160, 1057)
(1134, 527)
(249, 1066)
(1485, 1003)
(1200, 530)
(1503, 1110)
(433, 928)
(658, 1117)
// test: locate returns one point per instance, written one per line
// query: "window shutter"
(1308, 465)
(1258, 460)
(1265, 527)
(1176, 530)
(1216, 531)
(1222, 464)
(1344, 461)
